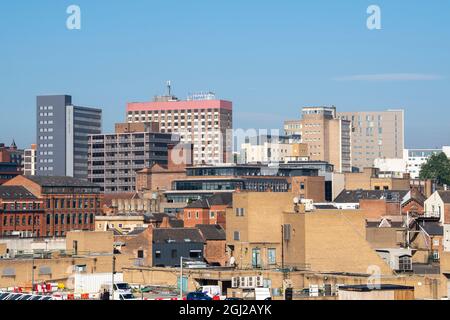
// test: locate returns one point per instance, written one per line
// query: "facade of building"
(415, 158)
(12, 154)
(375, 135)
(29, 161)
(215, 244)
(327, 137)
(170, 244)
(115, 158)
(22, 214)
(273, 149)
(372, 179)
(210, 210)
(268, 230)
(292, 127)
(201, 121)
(8, 170)
(69, 203)
(62, 136)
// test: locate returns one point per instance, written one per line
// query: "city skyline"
(260, 56)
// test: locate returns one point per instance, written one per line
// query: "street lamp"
(181, 278)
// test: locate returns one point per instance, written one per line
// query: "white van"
(211, 291)
(262, 294)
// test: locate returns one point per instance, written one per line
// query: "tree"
(437, 168)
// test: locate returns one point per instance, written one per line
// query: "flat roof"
(381, 287)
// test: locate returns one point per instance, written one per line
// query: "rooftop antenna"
(169, 87)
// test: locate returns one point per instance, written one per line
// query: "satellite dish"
(296, 200)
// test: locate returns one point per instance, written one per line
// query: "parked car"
(198, 296)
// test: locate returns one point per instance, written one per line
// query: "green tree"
(437, 168)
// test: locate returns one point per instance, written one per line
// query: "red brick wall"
(215, 252)
(413, 207)
(192, 221)
(447, 213)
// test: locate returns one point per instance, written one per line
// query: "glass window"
(272, 256)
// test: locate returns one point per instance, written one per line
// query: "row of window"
(21, 206)
(80, 203)
(212, 215)
(20, 221)
(62, 219)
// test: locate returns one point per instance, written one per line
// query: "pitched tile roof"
(58, 181)
(15, 193)
(177, 235)
(433, 228)
(215, 200)
(445, 195)
(212, 231)
(353, 196)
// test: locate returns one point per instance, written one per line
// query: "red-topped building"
(201, 120)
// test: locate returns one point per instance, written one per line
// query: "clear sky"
(269, 57)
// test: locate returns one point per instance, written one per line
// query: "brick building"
(208, 211)
(21, 213)
(69, 203)
(215, 244)
(8, 170)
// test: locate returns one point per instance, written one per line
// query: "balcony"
(432, 214)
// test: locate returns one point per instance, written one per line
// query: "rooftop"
(353, 196)
(212, 231)
(445, 195)
(177, 235)
(15, 193)
(215, 200)
(58, 181)
(380, 287)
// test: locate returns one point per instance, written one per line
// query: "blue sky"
(269, 57)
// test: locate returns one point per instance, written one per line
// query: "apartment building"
(327, 137)
(62, 136)
(378, 134)
(114, 159)
(29, 161)
(201, 120)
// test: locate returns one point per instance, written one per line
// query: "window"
(140, 254)
(272, 256)
(81, 268)
(195, 254)
(174, 253)
(302, 186)
(197, 215)
(157, 254)
(212, 215)
(240, 212)
(404, 263)
(237, 236)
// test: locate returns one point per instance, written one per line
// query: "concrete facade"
(378, 134)
(62, 131)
